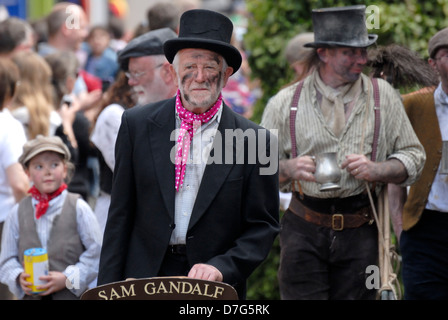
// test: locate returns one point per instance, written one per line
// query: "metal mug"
(327, 172)
(444, 161)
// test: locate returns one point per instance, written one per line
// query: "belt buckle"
(337, 222)
(177, 249)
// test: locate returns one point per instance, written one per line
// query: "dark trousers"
(424, 250)
(319, 263)
(174, 265)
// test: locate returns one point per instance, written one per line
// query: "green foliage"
(273, 22)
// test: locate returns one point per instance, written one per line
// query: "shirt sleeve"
(106, 131)
(276, 119)
(402, 142)
(83, 273)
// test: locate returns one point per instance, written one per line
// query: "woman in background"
(75, 127)
(33, 104)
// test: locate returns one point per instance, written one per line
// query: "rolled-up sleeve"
(402, 141)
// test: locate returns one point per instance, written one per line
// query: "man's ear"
(166, 73)
(322, 53)
(173, 74)
(433, 64)
(228, 73)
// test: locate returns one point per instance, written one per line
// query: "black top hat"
(341, 27)
(205, 29)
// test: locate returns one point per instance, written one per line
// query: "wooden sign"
(162, 288)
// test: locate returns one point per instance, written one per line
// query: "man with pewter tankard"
(328, 238)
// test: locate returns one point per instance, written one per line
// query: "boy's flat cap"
(41, 144)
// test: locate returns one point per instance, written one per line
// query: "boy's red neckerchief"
(43, 199)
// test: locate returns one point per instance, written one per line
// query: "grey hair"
(159, 59)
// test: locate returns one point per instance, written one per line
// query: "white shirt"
(12, 139)
(89, 232)
(104, 137)
(105, 133)
(23, 115)
(438, 196)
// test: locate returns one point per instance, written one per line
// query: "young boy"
(53, 219)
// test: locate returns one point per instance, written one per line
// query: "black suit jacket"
(235, 216)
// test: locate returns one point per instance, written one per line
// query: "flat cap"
(149, 43)
(439, 40)
(40, 144)
(295, 49)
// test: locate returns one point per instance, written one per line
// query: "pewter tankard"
(327, 172)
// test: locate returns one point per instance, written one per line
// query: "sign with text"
(162, 288)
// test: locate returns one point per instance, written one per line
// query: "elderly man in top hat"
(328, 236)
(202, 207)
(146, 66)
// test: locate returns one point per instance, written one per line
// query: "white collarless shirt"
(438, 196)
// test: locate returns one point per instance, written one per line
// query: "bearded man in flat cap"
(146, 66)
(421, 216)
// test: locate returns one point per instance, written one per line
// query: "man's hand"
(390, 171)
(205, 272)
(360, 167)
(300, 168)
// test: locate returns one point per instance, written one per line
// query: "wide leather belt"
(337, 221)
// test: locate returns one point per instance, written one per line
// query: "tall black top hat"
(205, 29)
(341, 27)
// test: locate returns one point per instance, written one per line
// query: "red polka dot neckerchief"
(190, 123)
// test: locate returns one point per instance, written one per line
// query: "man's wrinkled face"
(201, 76)
(145, 79)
